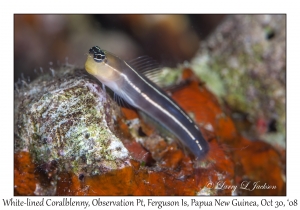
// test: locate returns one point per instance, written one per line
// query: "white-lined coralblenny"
(141, 93)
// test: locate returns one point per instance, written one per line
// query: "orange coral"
(25, 179)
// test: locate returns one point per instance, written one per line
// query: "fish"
(135, 88)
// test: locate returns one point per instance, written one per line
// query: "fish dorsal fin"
(153, 71)
(175, 87)
(147, 66)
(144, 64)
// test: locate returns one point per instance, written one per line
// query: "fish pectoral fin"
(122, 102)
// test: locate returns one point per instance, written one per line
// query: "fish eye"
(99, 57)
(98, 54)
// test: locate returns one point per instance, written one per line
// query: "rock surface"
(244, 63)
